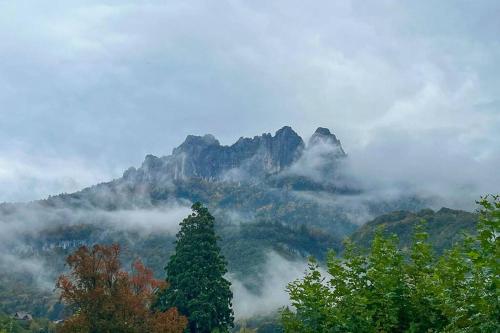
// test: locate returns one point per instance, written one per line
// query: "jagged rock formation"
(323, 136)
(204, 157)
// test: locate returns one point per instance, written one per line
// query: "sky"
(88, 88)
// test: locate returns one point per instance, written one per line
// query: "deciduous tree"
(106, 299)
(389, 290)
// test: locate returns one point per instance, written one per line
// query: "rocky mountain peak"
(286, 131)
(323, 135)
(195, 143)
(323, 131)
(152, 162)
(204, 157)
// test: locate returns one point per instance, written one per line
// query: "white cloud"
(148, 221)
(21, 229)
(28, 176)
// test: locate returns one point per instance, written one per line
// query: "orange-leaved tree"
(105, 299)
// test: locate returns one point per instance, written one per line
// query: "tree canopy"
(390, 290)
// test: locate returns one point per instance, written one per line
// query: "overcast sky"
(87, 88)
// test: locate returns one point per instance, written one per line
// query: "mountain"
(445, 227)
(269, 194)
(323, 136)
(205, 158)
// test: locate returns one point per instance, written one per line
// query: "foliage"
(38, 325)
(106, 299)
(196, 273)
(391, 290)
(445, 227)
(469, 275)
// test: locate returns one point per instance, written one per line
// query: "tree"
(311, 299)
(106, 299)
(365, 293)
(469, 275)
(389, 290)
(196, 275)
(424, 310)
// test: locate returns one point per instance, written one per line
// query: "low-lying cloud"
(24, 232)
(318, 162)
(26, 175)
(276, 274)
(435, 167)
(148, 221)
(441, 170)
(33, 218)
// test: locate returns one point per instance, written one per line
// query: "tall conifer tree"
(196, 276)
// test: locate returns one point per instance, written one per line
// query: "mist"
(29, 175)
(277, 272)
(397, 164)
(442, 170)
(22, 231)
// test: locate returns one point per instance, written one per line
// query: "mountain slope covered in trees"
(445, 227)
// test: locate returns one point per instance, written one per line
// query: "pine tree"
(196, 276)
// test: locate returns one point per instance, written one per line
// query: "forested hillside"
(445, 227)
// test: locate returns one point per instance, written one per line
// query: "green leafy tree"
(309, 297)
(363, 294)
(196, 275)
(386, 285)
(390, 290)
(469, 275)
(424, 313)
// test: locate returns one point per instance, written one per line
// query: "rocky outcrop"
(323, 136)
(204, 157)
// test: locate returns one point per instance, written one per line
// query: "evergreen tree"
(196, 276)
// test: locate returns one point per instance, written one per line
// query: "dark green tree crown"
(196, 275)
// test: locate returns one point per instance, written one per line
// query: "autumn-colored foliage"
(106, 299)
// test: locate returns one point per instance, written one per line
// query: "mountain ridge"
(444, 227)
(204, 157)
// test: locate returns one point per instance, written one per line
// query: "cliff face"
(204, 157)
